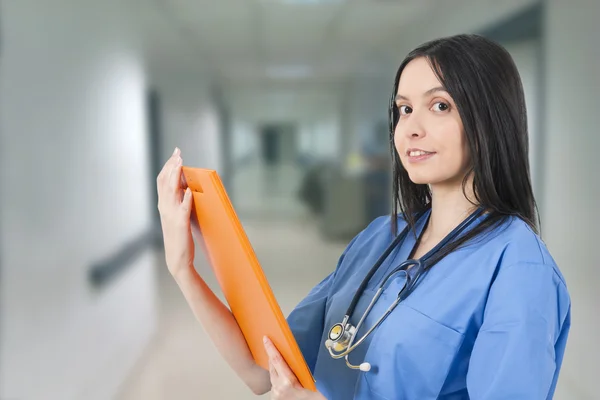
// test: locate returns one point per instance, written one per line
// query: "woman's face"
(429, 135)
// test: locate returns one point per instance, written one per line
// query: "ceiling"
(263, 41)
(252, 40)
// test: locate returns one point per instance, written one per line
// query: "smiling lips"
(418, 155)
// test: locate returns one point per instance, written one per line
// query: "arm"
(518, 351)
(175, 207)
(222, 328)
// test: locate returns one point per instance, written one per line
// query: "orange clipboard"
(240, 275)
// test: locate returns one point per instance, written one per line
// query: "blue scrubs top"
(489, 321)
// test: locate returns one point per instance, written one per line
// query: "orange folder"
(240, 275)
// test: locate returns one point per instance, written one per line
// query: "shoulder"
(527, 284)
(518, 246)
(527, 279)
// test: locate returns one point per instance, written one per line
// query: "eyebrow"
(427, 93)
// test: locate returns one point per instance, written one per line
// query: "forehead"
(417, 77)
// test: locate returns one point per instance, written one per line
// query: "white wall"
(321, 138)
(190, 118)
(244, 141)
(75, 187)
(572, 187)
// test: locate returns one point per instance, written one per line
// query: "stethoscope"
(342, 335)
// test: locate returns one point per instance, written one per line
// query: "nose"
(410, 126)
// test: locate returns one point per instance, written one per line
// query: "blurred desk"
(346, 202)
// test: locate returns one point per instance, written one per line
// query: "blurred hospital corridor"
(288, 100)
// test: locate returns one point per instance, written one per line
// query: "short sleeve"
(518, 351)
(307, 319)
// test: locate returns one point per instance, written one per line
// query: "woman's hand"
(174, 206)
(284, 384)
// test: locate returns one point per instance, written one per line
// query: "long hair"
(483, 80)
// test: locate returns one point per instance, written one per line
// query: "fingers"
(175, 175)
(273, 370)
(166, 169)
(165, 195)
(186, 204)
(281, 371)
(171, 181)
(183, 181)
(174, 207)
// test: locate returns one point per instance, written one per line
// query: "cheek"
(450, 141)
(450, 133)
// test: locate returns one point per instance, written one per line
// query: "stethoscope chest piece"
(336, 331)
(339, 336)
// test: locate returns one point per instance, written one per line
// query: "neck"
(449, 207)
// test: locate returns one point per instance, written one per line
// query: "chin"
(437, 181)
(429, 179)
(422, 179)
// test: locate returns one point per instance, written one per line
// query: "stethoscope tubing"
(404, 292)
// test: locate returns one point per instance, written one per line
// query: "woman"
(490, 313)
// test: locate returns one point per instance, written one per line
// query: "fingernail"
(265, 340)
(175, 151)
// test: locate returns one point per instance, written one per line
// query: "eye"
(405, 110)
(441, 106)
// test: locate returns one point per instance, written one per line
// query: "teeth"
(417, 153)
